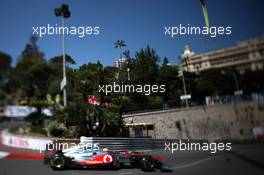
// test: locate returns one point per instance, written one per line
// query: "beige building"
(244, 55)
(119, 62)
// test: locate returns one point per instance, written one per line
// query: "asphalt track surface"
(244, 159)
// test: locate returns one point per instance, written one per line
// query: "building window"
(178, 125)
(150, 127)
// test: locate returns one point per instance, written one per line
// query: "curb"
(26, 156)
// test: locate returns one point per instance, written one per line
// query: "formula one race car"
(92, 156)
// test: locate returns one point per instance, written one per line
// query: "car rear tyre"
(57, 163)
(147, 164)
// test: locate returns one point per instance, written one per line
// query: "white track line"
(194, 163)
(3, 154)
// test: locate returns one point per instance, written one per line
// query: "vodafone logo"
(107, 159)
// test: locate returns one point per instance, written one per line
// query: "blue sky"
(138, 22)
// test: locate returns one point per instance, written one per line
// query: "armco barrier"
(114, 143)
(125, 143)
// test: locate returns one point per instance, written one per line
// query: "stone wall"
(229, 121)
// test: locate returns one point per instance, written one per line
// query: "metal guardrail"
(119, 143)
(126, 143)
(151, 144)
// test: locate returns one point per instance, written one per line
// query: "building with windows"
(119, 62)
(245, 55)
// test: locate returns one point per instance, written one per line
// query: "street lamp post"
(64, 66)
(184, 60)
(64, 12)
(128, 74)
(184, 87)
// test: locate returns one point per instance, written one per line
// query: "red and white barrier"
(3, 154)
(26, 142)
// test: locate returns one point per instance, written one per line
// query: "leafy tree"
(146, 67)
(165, 62)
(127, 54)
(168, 75)
(36, 119)
(58, 60)
(31, 50)
(5, 73)
(5, 65)
(32, 77)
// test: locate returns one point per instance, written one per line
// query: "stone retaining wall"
(230, 121)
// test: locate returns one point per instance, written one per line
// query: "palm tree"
(126, 54)
(120, 44)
